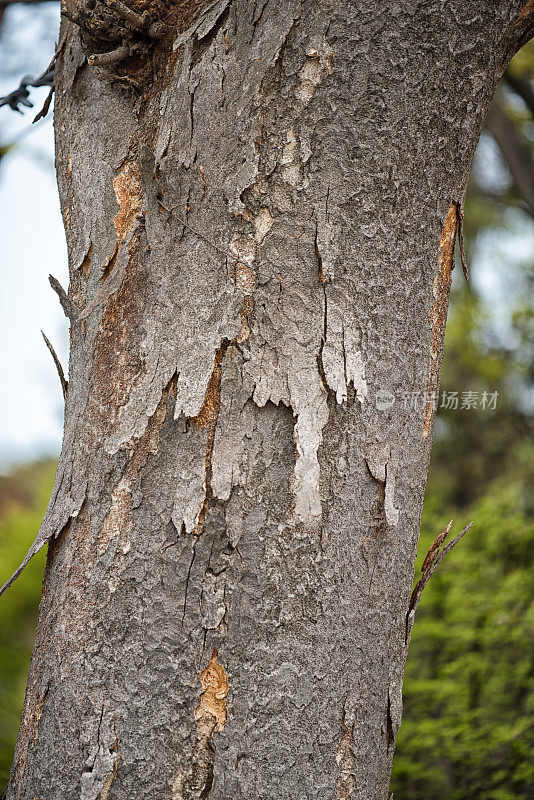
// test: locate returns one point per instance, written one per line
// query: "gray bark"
(260, 240)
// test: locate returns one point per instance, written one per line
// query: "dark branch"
(522, 87)
(19, 96)
(135, 20)
(514, 151)
(108, 59)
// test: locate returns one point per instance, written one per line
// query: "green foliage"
(523, 63)
(23, 497)
(468, 725)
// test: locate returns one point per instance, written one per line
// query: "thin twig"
(60, 47)
(46, 105)
(432, 561)
(447, 549)
(67, 305)
(59, 368)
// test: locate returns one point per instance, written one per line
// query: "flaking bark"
(260, 210)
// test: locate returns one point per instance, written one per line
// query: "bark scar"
(129, 194)
(214, 682)
(345, 759)
(438, 312)
(195, 780)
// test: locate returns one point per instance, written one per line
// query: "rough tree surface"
(261, 209)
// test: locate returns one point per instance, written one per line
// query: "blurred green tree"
(23, 498)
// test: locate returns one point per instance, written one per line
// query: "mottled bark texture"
(260, 209)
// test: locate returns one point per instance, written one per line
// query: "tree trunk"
(260, 210)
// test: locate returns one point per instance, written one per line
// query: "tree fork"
(260, 213)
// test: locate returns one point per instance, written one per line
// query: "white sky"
(32, 245)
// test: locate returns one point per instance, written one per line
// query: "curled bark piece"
(46, 106)
(59, 368)
(66, 303)
(432, 561)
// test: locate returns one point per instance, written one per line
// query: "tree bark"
(260, 210)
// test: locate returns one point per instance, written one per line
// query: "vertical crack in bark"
(320, 278)
(207, 418)
(340, 352)
(320, 271)
(390, 735)
(380, 463)
(188, 576)
(101, 767)
(345, 759)
(257, 19)
(195, 780)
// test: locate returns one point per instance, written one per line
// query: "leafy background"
(468, 723)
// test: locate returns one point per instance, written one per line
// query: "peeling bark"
(261, 204)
